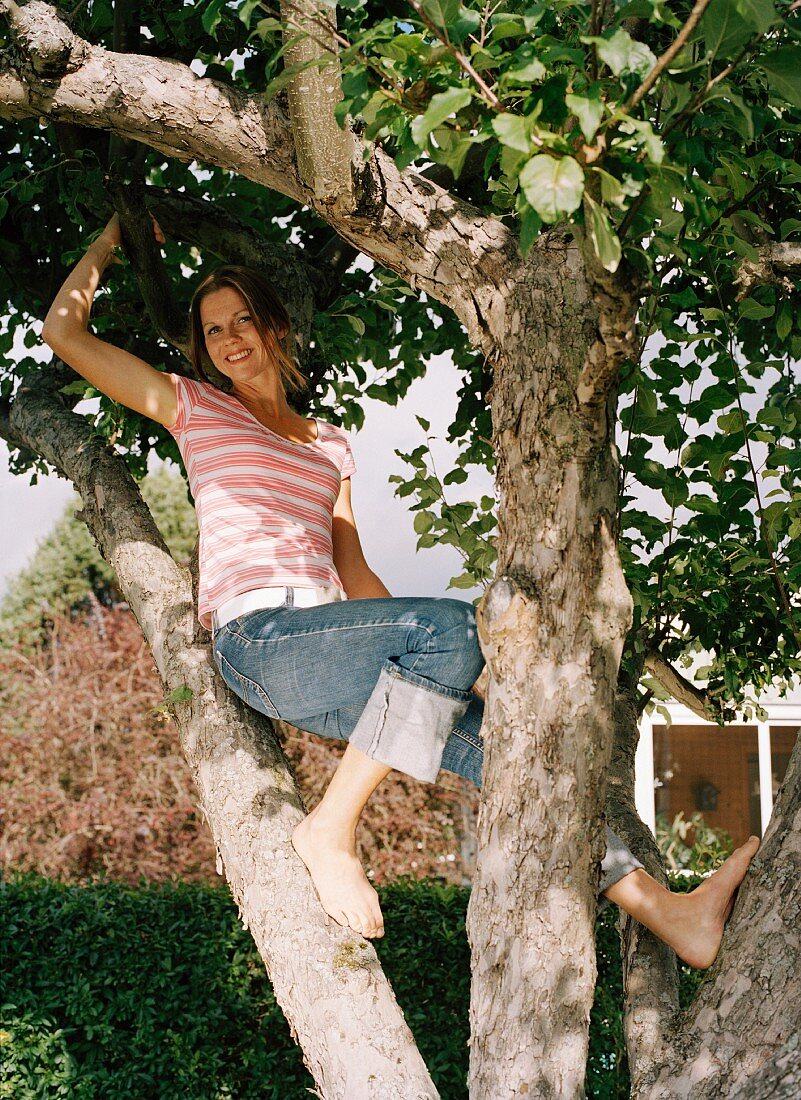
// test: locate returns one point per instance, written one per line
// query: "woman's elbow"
(52, 334)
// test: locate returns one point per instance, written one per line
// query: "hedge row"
(156, 993)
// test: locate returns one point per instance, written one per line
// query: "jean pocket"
(248, 690)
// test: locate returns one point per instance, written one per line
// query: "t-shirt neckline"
(283, 438)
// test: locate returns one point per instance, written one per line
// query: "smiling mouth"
(238, 356)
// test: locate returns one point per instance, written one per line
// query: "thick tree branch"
(779, 1078)
(401, 220)
(334, 259)
(680, 688)
(246, 789)
(324, 151)
(779, 264)
(126, 40)
(143, 252)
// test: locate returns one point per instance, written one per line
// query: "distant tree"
(594, 207)
(67, 569)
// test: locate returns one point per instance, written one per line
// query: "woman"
(278, 551)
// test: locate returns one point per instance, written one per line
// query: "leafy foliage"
(691, 845)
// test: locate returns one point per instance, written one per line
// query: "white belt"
(259, 598)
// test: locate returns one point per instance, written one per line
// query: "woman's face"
(232, 340)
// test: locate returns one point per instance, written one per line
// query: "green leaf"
(553, 186)
(723, 30)
(530, 226)
(465, 580)
(783, 69)
(212, 16)
(752, 310)
(441, 107)
(588, 109)
(245, 13)
(621, 53)
(784, 321)
(424, 424)
(759, 14)
(452, 148)
(513, 130)
(441, 12)
(646, 401)
(180, 695)
(526, 68)
(423, 522)
(604, 239)
(268, 26)
(675, 492)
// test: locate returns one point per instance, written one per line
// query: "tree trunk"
(552, 627)
(650, 974)
(745, 1017)
(327, 980)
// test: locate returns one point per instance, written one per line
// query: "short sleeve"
(348, 464)
(188, 392)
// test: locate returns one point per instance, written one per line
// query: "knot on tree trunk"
(509, 597)
(48, 44)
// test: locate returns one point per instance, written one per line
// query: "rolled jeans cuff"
(617, 863)
(407, 721)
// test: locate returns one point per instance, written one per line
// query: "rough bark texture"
(680, 688)
(750, 1009)
(441, 244)
(650, 975)
(327, 980)
(324, 151)
(552, 627)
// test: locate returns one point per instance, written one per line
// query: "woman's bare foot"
(329, 853)
(692, 924)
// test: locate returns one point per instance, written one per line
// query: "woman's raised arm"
(118, 374)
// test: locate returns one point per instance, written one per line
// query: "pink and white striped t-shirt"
(264, 504)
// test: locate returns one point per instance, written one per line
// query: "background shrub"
(156, 991)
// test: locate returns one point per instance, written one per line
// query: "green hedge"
(156, 993)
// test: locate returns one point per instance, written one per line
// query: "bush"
(157, 991)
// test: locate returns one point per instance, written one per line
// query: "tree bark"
(439, 243)
(650, 974)
(552, 627)
(327, 980)
(324, 151)
(742, 1022)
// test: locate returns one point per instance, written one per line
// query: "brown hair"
(267, 311)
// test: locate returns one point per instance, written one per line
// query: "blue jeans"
(391, 675)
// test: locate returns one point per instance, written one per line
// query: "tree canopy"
(681, 163)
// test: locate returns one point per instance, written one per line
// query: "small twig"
(699, 97)
(662, 63)
(458, 56)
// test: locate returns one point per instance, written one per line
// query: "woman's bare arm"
(358, 579)
(118, 374)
